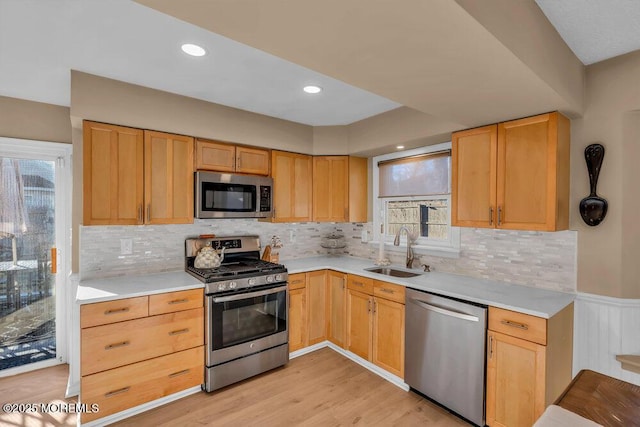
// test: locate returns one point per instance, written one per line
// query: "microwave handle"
(250, 294)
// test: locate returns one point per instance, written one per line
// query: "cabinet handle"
(499, 215)
(296, 281)
(118, 391)
(514, 324)
(368, 306)
(140, 219)
(490, 346)
(149, 213)
(389, 291)
(490, 215)
(238, 162)
(359, 284)
(179, 331)
(375, 306)
(178, 301)
(116, 311)
(177, 374)
(117, 345)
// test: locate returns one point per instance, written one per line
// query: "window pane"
(425, 218)
(415, 176)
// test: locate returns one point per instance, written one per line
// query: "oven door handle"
(250, 294)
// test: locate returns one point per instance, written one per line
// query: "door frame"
(61, 154)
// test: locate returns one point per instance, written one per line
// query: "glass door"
(32, 222)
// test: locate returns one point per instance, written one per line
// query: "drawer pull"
(179, 331)
(358, 283)
(179, 301)
(117, 345)
(389, 291)
(296, 281)
(118, 391)
(116, 311)
(177, 374)
(514, 324)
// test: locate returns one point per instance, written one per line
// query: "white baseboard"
(397, 381)
(605, 327)
(109, 419)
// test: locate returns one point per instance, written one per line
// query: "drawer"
(175, 301)
(359, 283)
(118, 389)
(297, 281)
(109, 346)
(389, 291)
(102, 313)
(519, 325)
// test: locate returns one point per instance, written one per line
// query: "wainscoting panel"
(603, 328)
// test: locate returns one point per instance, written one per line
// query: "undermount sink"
(387, 271)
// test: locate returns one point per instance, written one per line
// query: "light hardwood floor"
(322, 388)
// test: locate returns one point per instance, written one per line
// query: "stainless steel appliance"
(226, 195)
(445, 352)
(246, 300)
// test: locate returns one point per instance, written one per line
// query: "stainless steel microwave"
(227, 195)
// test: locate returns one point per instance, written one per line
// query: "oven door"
(246, 323)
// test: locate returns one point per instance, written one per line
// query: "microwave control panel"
(265, 198)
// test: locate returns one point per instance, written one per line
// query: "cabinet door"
(215, 156)
(358, 189)
(337, 316)
(168, 178)
(388, 335)
(297, 319)
(113, 174)
(330, 188)
(531, 188)
(515, 381)
(292, 189)
(359, 324)
(317, 306)
(252, 160)
(473, 177)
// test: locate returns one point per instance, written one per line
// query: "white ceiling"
(40, 41)
(595, 30)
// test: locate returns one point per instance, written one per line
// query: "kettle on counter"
(209, 257)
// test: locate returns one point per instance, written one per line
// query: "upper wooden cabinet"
(136, 177)
(218, 156)
(339, 189)
(292, 186)
(168, 161)
(113, 187)
(513, 175)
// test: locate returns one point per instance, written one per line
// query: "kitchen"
(609, 118)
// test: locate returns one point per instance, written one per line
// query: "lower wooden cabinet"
(375, 322)
(529, 362)
(337, 308)
(129, 356)
(297, 312)
(317, 306)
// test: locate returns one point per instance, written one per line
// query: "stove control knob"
(222, 286)
(252, 282)
(269, 279)
(279, 277)
(232, 285)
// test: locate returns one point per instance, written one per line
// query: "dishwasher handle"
(446, 312)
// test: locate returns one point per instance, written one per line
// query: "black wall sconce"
(593, 208)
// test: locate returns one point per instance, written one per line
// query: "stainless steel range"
(246, 329)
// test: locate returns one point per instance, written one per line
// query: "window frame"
(423, 245)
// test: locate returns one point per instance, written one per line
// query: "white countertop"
(112, 288)
(537, 302)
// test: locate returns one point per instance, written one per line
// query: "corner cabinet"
(135, 177)
(529, 363)
(512, 175)
(340, 189)
(292, 186)
(137, 350)
(297, 312)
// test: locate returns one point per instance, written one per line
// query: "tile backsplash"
(531, 258)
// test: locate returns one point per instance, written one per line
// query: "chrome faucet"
(396, 242)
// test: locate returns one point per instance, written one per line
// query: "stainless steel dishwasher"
(445, 352)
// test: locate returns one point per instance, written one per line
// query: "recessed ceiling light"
(193, 49)
(400, 147)
(312, 89)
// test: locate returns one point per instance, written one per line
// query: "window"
(413, 189)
